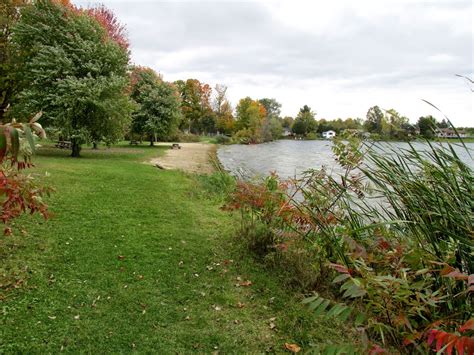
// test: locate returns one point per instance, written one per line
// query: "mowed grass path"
(138, 259)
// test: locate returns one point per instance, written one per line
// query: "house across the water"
(329, 134)
(286, 132)
(450, 133)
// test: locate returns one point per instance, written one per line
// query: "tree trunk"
(76, 148)
(94, 145)
(151, 141)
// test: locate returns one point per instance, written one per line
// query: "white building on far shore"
(329, 134)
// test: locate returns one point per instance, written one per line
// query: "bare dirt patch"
(191, 158)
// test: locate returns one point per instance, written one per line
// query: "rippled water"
(289, 157)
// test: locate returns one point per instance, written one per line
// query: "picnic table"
(132, 142)
(63, 145)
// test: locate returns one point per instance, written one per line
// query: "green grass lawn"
(136, 258)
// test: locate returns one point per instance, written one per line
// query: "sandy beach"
(191, 158)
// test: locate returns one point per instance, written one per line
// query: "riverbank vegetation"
(387, 246)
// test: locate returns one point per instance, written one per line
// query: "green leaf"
(345, 314)
(310, 299)
(340, 278)
(360, 319)
(336, 310)
(322, 307)
(316, 303)
(346, 285)
(15, 142)
(3, 144)
(29, 136)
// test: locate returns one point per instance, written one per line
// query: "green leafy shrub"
(311, 136)
(221, 139)
(187, 138)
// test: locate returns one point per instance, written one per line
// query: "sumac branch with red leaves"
(19, 192)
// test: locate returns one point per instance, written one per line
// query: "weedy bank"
(387, 247)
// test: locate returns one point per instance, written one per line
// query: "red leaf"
(460, 346)
(446, 270)
(340, 268)
(432, 336)
(440, 340)
(469, 325)
(456, 274)
(452, 340)
(376, 350)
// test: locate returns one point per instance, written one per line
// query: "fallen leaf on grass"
(120, 257)
(292, 348)
(217, 308)
(272, 325)
(240, 305)
(244, 283)
(52, 317)
(76, 317)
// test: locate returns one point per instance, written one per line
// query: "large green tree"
(74, 71)
(272, 107)
(305, 121)
(158, 112)
(398, 125)
(375, 121)
(427, 126)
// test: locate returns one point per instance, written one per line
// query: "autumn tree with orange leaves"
(225, 122)
(250, 118)
(198, 116)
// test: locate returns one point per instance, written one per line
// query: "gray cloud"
(362, 47)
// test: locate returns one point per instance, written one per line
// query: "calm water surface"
(289, 157)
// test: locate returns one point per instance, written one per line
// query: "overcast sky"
(339, 57)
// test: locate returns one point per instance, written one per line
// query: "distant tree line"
(73, 64)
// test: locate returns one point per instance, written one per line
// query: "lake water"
(289, 158)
